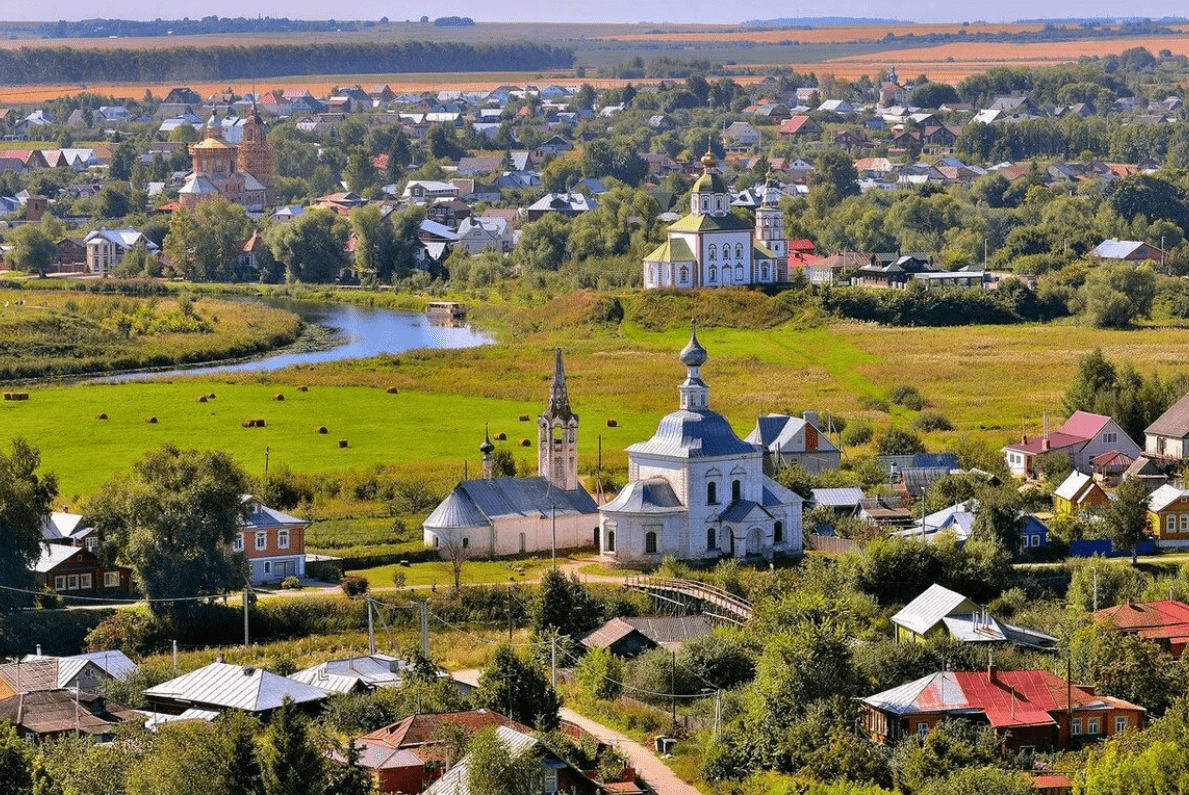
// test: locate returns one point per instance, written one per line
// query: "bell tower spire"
(557, 437)
(695, 395)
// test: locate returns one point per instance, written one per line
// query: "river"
(364, 331)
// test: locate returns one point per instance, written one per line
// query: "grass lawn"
(441, 573)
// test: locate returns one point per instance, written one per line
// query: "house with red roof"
(1028, 709)
(1082, 438)
(797, 126)
(1165, 623)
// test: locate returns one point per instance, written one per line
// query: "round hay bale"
(525, 443)
(524, 418)
(321, 429)
(279, 396)
(151, 420)
(612, 423)
(343, 443)
(392, 390)
(201, 398)
(101, 416)
(211, 396)
(259, 423)
(303, 388)
(248, 424)
(501, 437)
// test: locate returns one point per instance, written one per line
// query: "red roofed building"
(1027, 708)
(1165, 623)
(1082, 438)
(797, 126)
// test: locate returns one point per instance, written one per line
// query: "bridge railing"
(694, 588)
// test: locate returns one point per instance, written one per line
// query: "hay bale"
(101, 416)
(501, 437)
(343, 443)
(321, 429)
(525, 443)
(211, 396)
(303, 388)
(201, 398)
(248, 424)
(151, 420)
(612, 423)
(259, 423)
(279, 396)
(524, 418)
(16, 395)
(392, 390)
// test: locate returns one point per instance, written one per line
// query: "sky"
(656, 11)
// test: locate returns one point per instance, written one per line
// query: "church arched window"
(726, 251)
(778, 533)
(712, 493)
(764, 273)
(705, 204)
(738, 251)
(711, 538)
(650, 543)
(736, 491)
(712, 252)
(713, 276)
(684, 274)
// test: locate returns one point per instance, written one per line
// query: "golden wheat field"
(819, 35)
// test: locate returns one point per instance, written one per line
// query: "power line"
(113, 600)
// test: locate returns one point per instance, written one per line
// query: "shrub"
(601, 674)
(907, 396)
(354, 585)
(101, 416)
(873, 403)
(291, 583)
(897, 441)
(858, 433)
(928, 421)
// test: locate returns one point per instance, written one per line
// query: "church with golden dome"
(241, 174)
(711, 247)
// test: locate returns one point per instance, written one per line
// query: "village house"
(1165, 623)
(794, 440)
(35, 672)
(421, 191)
(209, 691)
(106, 248)
(1027, 709)
(939, 611)
(272, 542)
(799, 127)
(48, 714)
(1077, 493)
(1082, 438)
(1128, 251)
(565, 204)
(1168, 516)
(1166, 437)
(892, 271)
(555, 775)
(491, 516)
(353, 674)
(628, 636)
(75, 571)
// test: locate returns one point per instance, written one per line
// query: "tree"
(503, 463)
(835, 178)
(172, 520)
(1127, 516)
(374, 242)
(804, 664)
(26, 498)
(122, 159)
(601, 674)
(16, 763)
(113, 202)
(350, 778)
(312, 247)
(456, 548)
(518, 688)
(998, 518)
(184, 753)
(949, 746)
(204, 243)
(898, 441)
(32, 249)
(932, 95)
(565, 606)
(493, 767)
(360, 173)
(291, 763)
(239, 730)
(1117, 293)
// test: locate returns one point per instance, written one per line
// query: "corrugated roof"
(457, 510)
(1084, 424)
(927, 610)
(1174, 422)
(417, 730)
(1073, 486)
(608, 634)
(693, 434)
(837, 498)
(347, 675)
(675, 249)
(479, 502)
(1165, 496)
(1117, 249)
(653, 495)
(668, 631)
(235, 687)
(54, 555)
(54, 711)
(456, 780)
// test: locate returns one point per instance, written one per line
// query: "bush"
(907, 396)
(601, 674)
(928, 421)
(354, 585)
(873, 403)
(291, 583)
(858, 433)
(897, 441)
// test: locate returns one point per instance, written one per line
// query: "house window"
(111, 579)
(283, 539)
(736, 491)
(922, 728)
(268, 567)
(738, 251)
(60, 583)
(1172, 523)
(712, 493)
(1035, 540)
(84, 581)
(261, 541)
(72, 582)
(91, 543)
(650, 543)
(237, 544)
(1077, 727)
(684, 274)
(739, 272)
(549, 781)
(1120, 724)
(1109, 438)
(1092, 726)
(778, 533)
(711, 538)
(764, 273)
(437, 542)
(1185, 523)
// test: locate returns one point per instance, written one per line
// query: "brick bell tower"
(255, 153)
(557, 437)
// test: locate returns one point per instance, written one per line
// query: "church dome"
(693, 354)
(694, 434)
(709, 183)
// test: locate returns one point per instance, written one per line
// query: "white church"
(697, 491)
(492, 517)
(710, 247)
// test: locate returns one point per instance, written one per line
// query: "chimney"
(1044, 442)
(38, 649)
(992, 672)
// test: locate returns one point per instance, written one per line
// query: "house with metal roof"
(1168, 436)
(1128, 251)
(1168, 515)
(1033, 709)
(492, 516)
(75, 571)
(1165, 623)
(354, 674)
(939, 611)
(628, 636)
(698, 491)
(218, 687)
(1078, 492)
(46, 714)
(34, 673)
(555, 774)
(1082, 438)
(795, 440)
(273, 542)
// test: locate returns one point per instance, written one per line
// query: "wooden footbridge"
(686, 597)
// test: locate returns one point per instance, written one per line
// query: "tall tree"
(312, 247)
(565, 605)
(26, 498)
(1127, 516)
(375, 245)
(350, 778)
(33, 250)
(518, 688)
(239, 730)
(16, 765)
(494, 767)
(173, 519)
(204, 243)
(291, 762)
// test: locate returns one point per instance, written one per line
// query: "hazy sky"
(607, 10)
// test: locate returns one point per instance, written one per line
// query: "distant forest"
(806, 21)
(66, 65)
(131, 28)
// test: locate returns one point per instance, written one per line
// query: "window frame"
(1120, 723)
(1076, 727)
(650, 543)
(85, 581)
(282, 539)
(922, 728)
(59, 582)
(72, 582)
(261, 542)
(237, 543)
(111, 579)
(1092, 726)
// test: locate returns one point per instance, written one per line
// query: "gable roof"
(927, 610)
(1164, 620)
(1074, 486)
(61, 711)
(1174, 422)
(423, 729)
(1084, 424)
(347, 675)
(480, 502)
(235, 687)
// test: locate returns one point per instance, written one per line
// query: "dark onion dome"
(487, 447)
(693, 354)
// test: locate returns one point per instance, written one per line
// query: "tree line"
(69, 65)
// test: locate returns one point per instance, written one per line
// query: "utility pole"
(175, 656)
(371, 627)
(425, 627)
(717, 713)
(1095, 570)
(553, 660)
(673, 686)
(266, 452)
(247, 592)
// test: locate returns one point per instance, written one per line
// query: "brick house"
(75, 571)
(1028, 709)
(273, 543)
(1165, 623)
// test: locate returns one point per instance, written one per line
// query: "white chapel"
(710, 247)
(697, 491)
